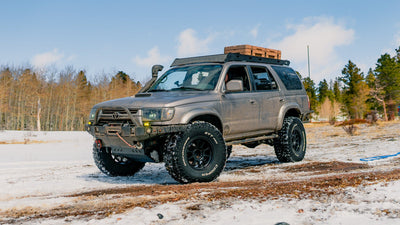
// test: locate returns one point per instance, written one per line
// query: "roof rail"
(230, 57)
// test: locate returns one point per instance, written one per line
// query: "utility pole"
(308, 56)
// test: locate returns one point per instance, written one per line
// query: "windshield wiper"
(187, 88)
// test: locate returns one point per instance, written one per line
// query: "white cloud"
(254, 31)
(153, 57)
(395, 45)
(387, 50)
(70, 58)
(190, 45)
(391, 48)
(47, 58)
(323, 36)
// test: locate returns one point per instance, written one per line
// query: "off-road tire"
(290, 146)
(196, 155)
(113, 165)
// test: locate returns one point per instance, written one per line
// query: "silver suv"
(191, 116)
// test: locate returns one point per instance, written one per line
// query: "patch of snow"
(42, 173)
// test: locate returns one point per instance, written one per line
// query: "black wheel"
(228, 151)
(291, 144)
(113, 165)
(197, 155)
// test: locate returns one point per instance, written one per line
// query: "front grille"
(134, 111)
(116, 116)
(111, 111)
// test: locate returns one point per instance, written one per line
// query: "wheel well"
(292, 112)
(209, 119)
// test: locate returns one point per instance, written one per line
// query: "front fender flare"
(198, 112)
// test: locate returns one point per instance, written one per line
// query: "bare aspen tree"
(39, 109)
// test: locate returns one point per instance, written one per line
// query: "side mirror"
(155, 69)
(234, 86)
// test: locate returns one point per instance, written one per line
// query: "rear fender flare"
(282, 113)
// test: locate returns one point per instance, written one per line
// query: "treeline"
(62, 100)
(357, 95)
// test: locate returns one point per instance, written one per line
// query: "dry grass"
(381, 130)
(326, 167)
(25, 142)
(315, 124)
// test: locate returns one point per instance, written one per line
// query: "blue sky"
(103, 37)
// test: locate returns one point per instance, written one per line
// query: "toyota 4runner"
(191, 116)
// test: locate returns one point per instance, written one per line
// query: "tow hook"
(98, 143)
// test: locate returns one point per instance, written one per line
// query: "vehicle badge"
(115, 115)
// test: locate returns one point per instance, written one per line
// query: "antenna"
(308, 56)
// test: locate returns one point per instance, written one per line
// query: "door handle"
(282, 100)
(252, 101)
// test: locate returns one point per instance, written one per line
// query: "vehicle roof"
(230, 57)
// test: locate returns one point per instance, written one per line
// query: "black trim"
(230, 57)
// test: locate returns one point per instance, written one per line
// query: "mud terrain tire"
(113, 165)
(196, 155)
(290, 146)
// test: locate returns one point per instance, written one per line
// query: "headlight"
(157, 114)
(92, 114)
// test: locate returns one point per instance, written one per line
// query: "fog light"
(146, 124)
(148, 130)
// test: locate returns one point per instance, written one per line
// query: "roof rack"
(230, 57)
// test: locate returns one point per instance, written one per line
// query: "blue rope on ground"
(379, 157)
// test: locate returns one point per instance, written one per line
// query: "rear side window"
(289, 77)
(263, 79)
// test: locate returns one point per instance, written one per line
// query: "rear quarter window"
(289, 77)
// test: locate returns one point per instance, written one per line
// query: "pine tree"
(376, 98)
(355, 91)
(388, 80)
(337, 95)
(309, 85)
(323, 91)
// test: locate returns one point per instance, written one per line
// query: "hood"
(162, 99)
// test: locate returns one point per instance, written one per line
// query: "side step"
(266, 137)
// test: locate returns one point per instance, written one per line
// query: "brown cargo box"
(254, 51)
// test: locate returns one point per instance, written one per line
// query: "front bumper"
(134, 133)
(133, 142)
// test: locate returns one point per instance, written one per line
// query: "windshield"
(199, 78)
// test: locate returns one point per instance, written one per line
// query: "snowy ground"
(50, 178)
